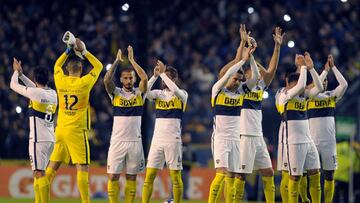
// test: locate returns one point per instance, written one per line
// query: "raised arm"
(151, 94)
(109, 76)
(140, 72)
(94, 74)
(301, 83)
(14, 83)
(244, 37)
(341, 88)
(268, 75)
(58, 71)
(255, 74)
(312, 92)
(22, 76)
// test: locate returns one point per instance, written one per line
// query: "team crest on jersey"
(294, 169)
(243, 167)
(217, 161)
(285, 164)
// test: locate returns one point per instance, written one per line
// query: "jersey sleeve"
(115, 92)
(29, 92)
(58, 71)
(153, 94)
(91, 78)
(27, 81)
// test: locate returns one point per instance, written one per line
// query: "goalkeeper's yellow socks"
(239, 189)
(50, 174)
(177, 185)
(44, 189)
(130, 191)
(284, 187)
(37, 191)
(215, 187)
(229, 189)
(329, 189)
(315, 188)
(269, 189)
(113, 191)
(303, 189)
(83, 185)
(148, 184)
(293, 190)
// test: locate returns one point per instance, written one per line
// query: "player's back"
(74, 105)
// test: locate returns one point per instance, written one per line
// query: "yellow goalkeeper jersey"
(74, 92)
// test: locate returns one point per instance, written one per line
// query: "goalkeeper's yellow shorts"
(71, 145)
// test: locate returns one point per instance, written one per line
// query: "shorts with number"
(327, 153)
(71, 145)
(128, 155)
(282, 161)
(165, 152)
(40, 153)
(254, 154)
(226, 154)
(302, 157)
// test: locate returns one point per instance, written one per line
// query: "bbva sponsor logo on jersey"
(232, 101)
(255, 95)
(321, 103)
(299, 105)
(166, 104)
(130, 102)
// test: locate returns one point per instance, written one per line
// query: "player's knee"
(54, 165)
(241, 176)
(267, 172)
(329, 175)
(295, 178)
(82, 167)
(39, 173)
(313, 172)
(130, 177)
(113, 177)
(231, 175)
(222, 170)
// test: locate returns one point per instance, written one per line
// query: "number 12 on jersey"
(70, 101)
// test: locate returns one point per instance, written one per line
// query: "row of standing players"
(237, 143)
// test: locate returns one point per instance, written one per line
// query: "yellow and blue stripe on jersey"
(294, 109)
(321, 107)
(128, 107)
(225, 105)
(253, 100)
(173, 108)
(42, 110)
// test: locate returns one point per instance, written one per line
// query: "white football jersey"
(169, 110)
(42, 107)
(127, 111)
(294, 118)
(251, 114)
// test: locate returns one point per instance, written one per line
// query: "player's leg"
(39, 156)
(156, 161)
(312, 166)
(303, 192)
(78, 144)
(282, 166)
(239, 185)
(221, 162)
(263, 163)
(327, 151)
(173, 158)
(134, 164)
(296, 154)
(115, 164)
(229, 187)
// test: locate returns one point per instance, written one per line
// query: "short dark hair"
(126, 69)
(41, 75)
(172, 71)
(292, 77)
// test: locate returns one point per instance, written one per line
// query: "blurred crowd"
(196, 37)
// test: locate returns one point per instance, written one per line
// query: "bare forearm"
(274, 61)
(139, 71)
